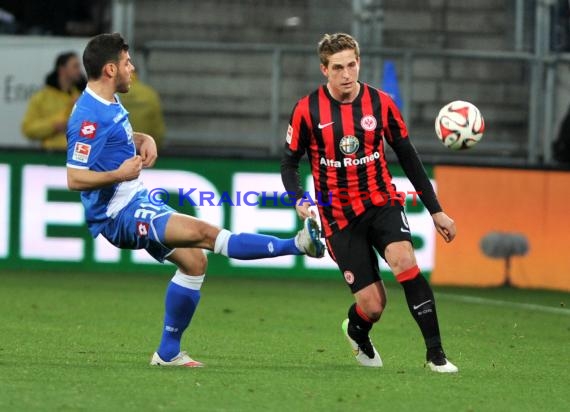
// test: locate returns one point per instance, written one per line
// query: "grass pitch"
(82, 342)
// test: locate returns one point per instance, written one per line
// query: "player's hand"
(445, 226)
(303, 209)
(130, 169)
(148, 151)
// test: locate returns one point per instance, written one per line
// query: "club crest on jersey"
(349, 145)
(368, 123)
(349, 277)
(88, 129)
(81, 152)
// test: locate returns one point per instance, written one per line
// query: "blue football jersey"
(100, 138)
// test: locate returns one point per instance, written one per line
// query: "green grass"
(76, 342)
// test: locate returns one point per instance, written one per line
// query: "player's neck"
(102, 89)
(344, 97)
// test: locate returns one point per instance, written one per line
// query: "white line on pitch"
(504, 303)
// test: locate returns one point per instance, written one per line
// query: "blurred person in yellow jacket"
(48, 110)
(145, 112)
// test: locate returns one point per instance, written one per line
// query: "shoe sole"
(314, 232)
(185, 365)
(442, 368)
(156, 361)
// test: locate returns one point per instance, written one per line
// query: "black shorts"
(352, 248)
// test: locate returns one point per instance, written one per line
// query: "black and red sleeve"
(396, 133)
(296, 144)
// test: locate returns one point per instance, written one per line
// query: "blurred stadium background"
(228, 73)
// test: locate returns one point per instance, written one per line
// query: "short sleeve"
(85, 142)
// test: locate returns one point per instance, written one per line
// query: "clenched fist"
(130, 169)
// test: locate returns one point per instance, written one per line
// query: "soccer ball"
(459, 125)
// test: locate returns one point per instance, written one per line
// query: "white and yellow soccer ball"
(459, 125)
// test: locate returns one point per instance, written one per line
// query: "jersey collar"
(356, 99)
(97, 97)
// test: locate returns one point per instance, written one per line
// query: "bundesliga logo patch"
(289, 136)
(81, 152)
(88, 129)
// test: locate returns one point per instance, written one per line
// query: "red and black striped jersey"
(345, 146)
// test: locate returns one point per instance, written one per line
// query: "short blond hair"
(334, 43)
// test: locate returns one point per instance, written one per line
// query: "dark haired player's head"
(106, 57)
(66, 72)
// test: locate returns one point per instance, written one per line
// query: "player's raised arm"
(85, 179)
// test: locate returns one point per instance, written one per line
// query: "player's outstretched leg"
(247, 246)
(186, 231)
(182, 298)
(421, 303)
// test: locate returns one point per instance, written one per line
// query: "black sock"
(358, 328)
(422, 307)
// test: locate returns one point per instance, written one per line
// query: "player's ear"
(324, 70)
(110, 69)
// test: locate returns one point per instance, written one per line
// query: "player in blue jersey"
(104, 160)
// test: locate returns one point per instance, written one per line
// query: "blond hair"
(334, 43)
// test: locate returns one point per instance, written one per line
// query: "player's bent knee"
(199, 264)
(400, 257)
(403, 263)
(195, 264)
(374, 312)
(202, 263)
(371, 301)
(187, 231)
(373, 308)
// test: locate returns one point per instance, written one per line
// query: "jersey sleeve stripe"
(384, 115)
(76, 166)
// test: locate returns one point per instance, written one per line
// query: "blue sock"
(247, 246)
(182, 297)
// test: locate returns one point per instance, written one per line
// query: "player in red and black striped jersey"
(342, 127)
